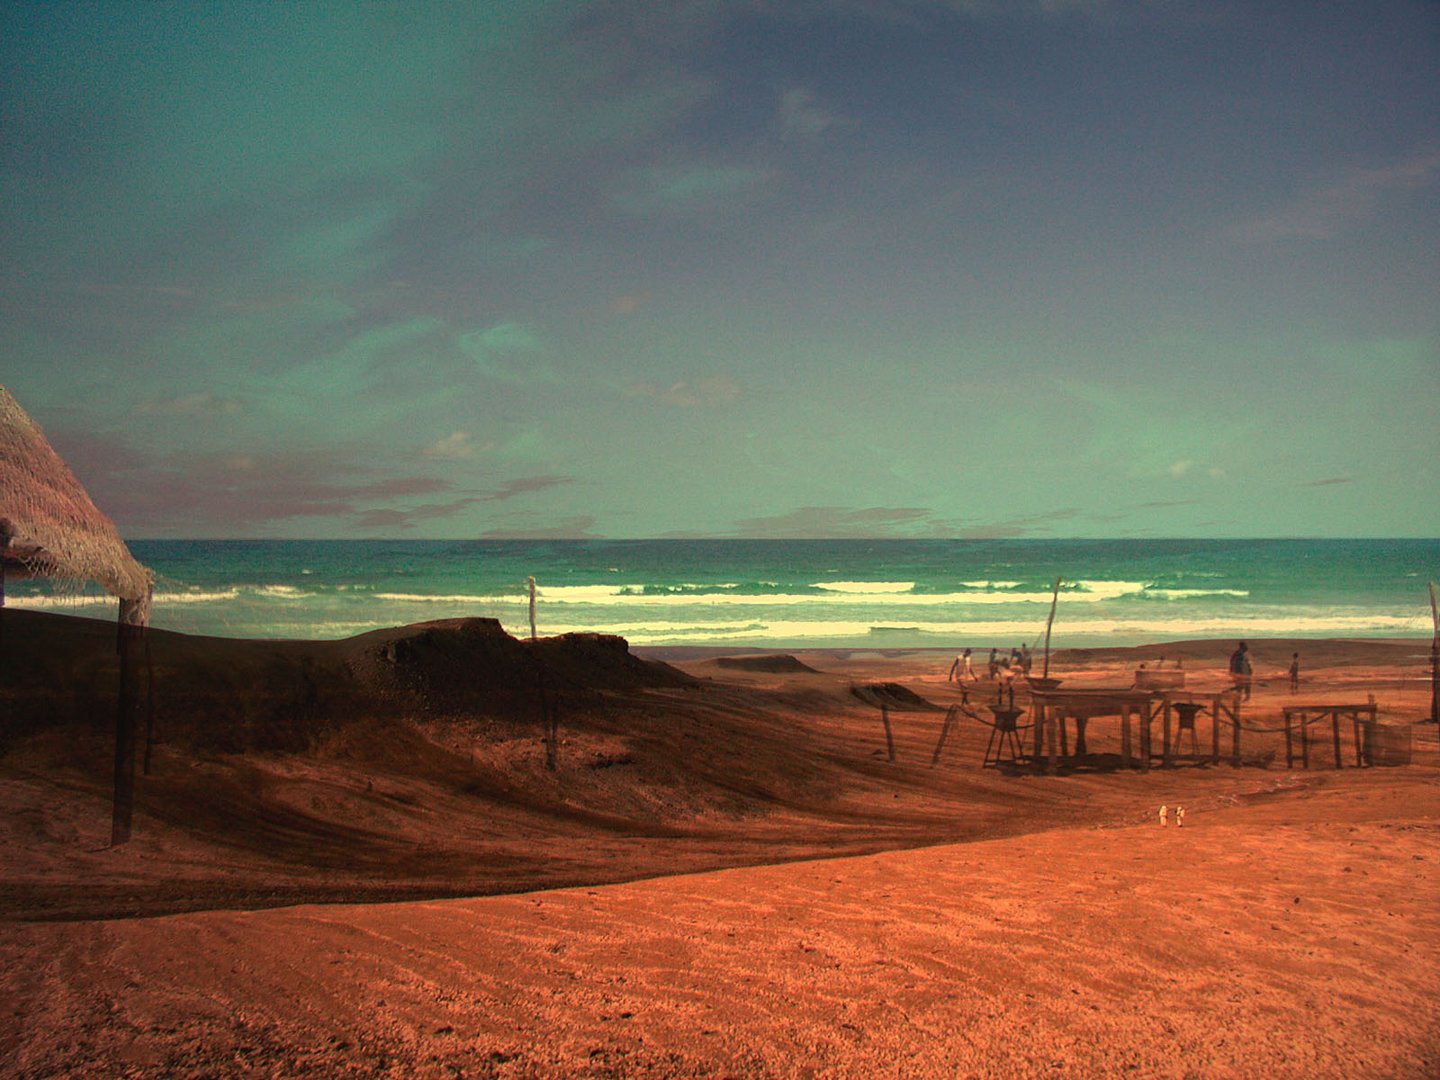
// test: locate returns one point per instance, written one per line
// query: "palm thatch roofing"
(48, 525)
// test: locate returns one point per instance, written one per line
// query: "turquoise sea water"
(792, 594)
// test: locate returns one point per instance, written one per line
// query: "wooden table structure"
(1138, 709)
(1362, 717)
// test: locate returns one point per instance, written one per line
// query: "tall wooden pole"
(1054, 599)
(531, 581)
(1434, 659)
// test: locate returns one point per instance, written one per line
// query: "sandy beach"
(350, 858)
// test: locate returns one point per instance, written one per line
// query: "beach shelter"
(50, 528)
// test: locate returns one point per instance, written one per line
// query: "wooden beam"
(1166, 753)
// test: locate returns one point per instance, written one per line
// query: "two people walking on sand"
(1179, 816)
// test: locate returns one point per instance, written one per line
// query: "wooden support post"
(1289, 741)
(134, 615)
(1038, 710)
(1146, 715)
(1080, 748)
(1335, 727)
(1304, 740)
(1125, 754)
(1052, 736)
(1166, 751)
(1235, 732)
(1215, 730)
(149, 706)
(889, 739)
(1064, 733)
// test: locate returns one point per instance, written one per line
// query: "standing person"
(1164, 816)
(1294, 672)
(1025, 659)
(1240, 670)
(961, 670)
(994, 664)
(1179, 817)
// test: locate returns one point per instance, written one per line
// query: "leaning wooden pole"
(889, 739)
(531, 582)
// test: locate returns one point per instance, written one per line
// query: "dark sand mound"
(776, 663)
(235, 695)
(894, 697)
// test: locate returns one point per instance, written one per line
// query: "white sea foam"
(287, 592)
(865, 587)
(197, 596)
(62, 600)
(1180, 594)
(448, 598)
(991, 584)
(634, 596)
(819, 632)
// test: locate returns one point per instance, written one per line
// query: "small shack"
(49, 527)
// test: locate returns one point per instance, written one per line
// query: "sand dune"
(975, 923)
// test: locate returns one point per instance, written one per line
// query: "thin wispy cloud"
(195, 405)
(526, 485)
(457, 446)
(838, 522)
(1324, 211)
(800, 116)
(710, 391)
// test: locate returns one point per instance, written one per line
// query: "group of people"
(1018, 664)
(1179, 812)
(1015, 665)
(1242, 673)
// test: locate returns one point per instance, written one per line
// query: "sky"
(776, 268)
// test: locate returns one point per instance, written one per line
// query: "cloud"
(508, 351)
(688, 188)
(800, 118)
(711, 391)
(1329, 480)
(1180, 468)
(629, 303)
(237, 493)
(1322, 212)
(527, 484)
(835, 523)
(457, 446)
(572, 528)
(1016, 527)
(406, 519)
(200, 404)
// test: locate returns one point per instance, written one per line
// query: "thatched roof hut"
(48, 525)
(50, 528)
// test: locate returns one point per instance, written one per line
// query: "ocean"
(791, 594)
